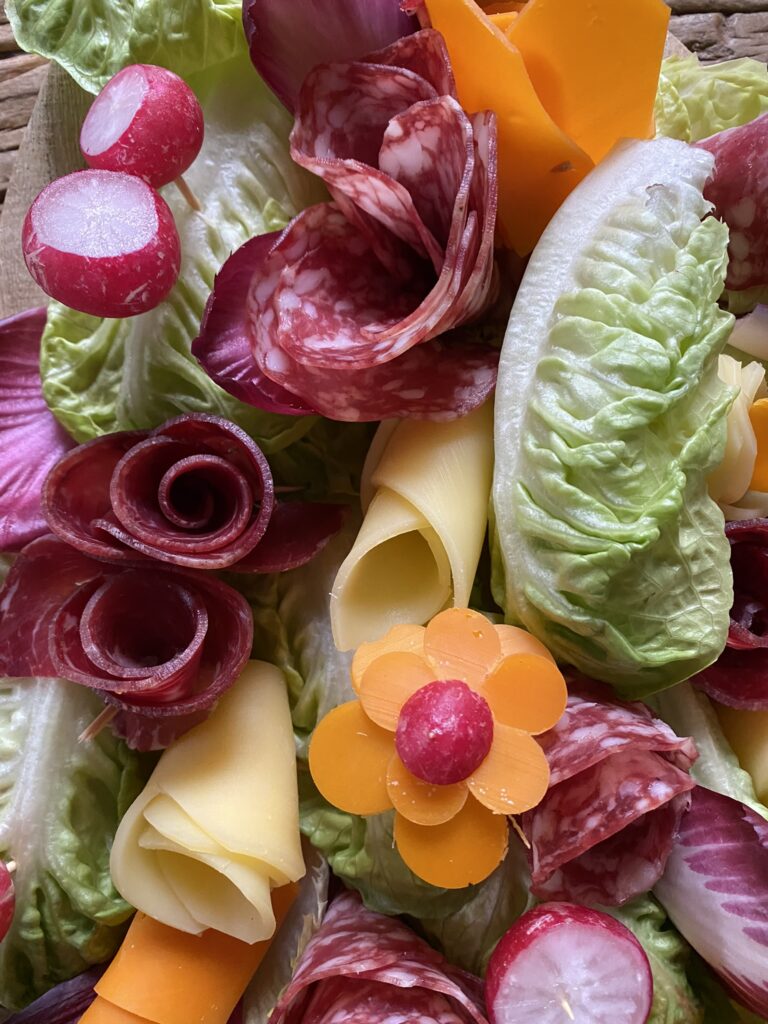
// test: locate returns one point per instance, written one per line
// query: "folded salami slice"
(343, 307)
(739, 677)
(359, 959)
(619, 785)
(160, 645)
(196, 492)
(739, 191)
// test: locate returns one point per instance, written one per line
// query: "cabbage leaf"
(60, 802)
(101, 376)
(609, 418)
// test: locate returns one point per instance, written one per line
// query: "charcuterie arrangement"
(384, 522)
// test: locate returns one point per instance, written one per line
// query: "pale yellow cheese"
(747, 732)
(729, 484)
(419, 545)
(216, 827)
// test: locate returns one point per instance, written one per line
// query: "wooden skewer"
(100, 721)
(520, 832)
(187, 192)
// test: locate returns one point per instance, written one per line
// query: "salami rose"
(619, 786)
(196, 492)
(343, 309)
(359, 959)
(160, 645)
(739, 677)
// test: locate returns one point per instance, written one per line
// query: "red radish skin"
(103, 243)
(444, 732)
(7, 900)
(566, 964)
(145, 121)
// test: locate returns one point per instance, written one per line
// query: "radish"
(565, 964)
(103, 243)
(145, 121)
(7, 897)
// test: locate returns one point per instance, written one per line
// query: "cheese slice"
(747, 732)
(216, 827)
(419, 545)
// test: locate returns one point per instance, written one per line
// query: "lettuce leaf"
(60, 802)
(609, 418)
(105, 375)
(697, 100)
(94, 39)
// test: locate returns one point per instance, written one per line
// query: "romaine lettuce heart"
(609, 418)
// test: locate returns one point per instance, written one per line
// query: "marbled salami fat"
(364, 967)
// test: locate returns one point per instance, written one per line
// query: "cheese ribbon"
(747, 733)
(419, 545)
(216, 827)
(163, 976)
(734, 484)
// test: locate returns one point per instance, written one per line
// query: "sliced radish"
(103, 243)
(145, 121)
(565, 964)
(7, 899)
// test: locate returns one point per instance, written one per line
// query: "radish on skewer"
(566, 964)
(145, 121)
(103, 243)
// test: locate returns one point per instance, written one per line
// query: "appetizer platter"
(384, 518)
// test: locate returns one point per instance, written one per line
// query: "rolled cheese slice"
(419, 545)
(217, 825)
(747, 733)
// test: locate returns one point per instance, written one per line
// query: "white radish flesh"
(565, 964)
(145, 121)
(103, 243)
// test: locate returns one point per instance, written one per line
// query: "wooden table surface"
(716, 29)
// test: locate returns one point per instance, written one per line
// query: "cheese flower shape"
(217, 825)
(442, 731)
(426, 487)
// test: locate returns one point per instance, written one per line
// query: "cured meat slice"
(196, 492)
(619, 784)
(31, 440)
(738, 189)
(344, 303)
(362, 959)
(160, 645)
(739, 677)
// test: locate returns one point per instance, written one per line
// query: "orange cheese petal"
(758, 416)
(519, 641)
(511, 7)
(527, 692)
(399, 638)
(102, 1012)
(515, 775)
(462, 644)
(420, 802)
(503, 21)
(463, 851)
(538, 164)
(348, 758)
(388, 682)
(182, 977)
(595, 67)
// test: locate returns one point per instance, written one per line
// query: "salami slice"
(359, 959)
(619, 784)
(345, 305)
(739, 677)
(159, 645)
(738, 189)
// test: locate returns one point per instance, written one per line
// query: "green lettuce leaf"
(468, 936)
(106, 375)
(690, 713)
(94, 39)
(669, 955)
(60, 802)
(697, 100)
(609, 418)
(362, 853)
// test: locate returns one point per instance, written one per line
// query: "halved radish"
(102, 242)
(145, 121)
(565, 964)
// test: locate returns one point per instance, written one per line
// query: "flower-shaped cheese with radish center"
(442, 731)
